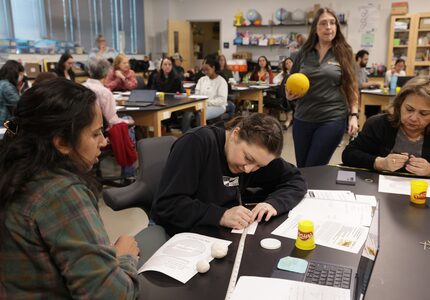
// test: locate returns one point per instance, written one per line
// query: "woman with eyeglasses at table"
(208, 166)
(10, 74)
(262, 71)
(330, 106)
(397, 139)
(121, 77)
(102, 50)
(53, 242)
(65, 67)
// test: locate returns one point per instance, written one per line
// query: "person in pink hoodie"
(120, 76)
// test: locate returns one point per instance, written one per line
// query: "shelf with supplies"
(410, 40)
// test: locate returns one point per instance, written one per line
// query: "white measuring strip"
(236, 265)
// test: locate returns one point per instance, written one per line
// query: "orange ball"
(297, 84)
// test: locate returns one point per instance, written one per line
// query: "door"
(180, 39)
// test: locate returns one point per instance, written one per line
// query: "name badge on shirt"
(230, 181)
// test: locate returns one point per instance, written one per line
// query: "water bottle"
(393, 82)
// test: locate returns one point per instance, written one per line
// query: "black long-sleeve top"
(171, 84)
(192, 190)
(377, 138)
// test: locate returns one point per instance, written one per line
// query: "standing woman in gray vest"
(331, 104)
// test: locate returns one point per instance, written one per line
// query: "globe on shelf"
(253, 16)
(281, 15)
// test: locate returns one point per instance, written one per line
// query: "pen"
(239, 197)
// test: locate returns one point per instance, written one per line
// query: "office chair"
(152, 156)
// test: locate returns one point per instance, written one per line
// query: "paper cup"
(188, 91)
(418, 191)
(305, 236)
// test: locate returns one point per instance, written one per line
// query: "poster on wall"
(369, 17)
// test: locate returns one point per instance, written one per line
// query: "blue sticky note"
(293, 264)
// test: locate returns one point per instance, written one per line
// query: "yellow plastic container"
(305, 237)
(161, 97)
(418, 191)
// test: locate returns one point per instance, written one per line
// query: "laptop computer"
(141, 98)
(401, 80)
(348, 277)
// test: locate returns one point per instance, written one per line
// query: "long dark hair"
(260, 129)
(257, 67)
(10, 72)
(161, 76)
(61, 68)
(56, 107)
(342, 52)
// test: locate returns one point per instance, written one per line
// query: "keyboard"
(329, 275)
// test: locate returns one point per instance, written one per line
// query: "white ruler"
(236, 265)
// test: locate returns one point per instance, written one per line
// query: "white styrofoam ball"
(219, 250)
(202, 266)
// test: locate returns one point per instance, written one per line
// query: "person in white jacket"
(214, 86)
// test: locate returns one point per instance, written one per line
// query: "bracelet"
(354, 114)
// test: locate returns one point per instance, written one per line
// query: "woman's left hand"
(261, 209)
(352, 125)
(418, 166)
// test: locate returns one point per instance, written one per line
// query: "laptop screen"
(145, 96)
(401, 80)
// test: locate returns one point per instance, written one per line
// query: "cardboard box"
(425, 23)
(399, 8)
(242, 55)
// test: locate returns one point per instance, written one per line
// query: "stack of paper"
(340, 220)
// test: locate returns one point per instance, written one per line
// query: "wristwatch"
(354, 114)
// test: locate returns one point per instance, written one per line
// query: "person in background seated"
(102, 50)
(98, 69)
(10, 74)
(224, 70)
(398, 69)
(323, 114)
(53, 242)
(214, 86)
(286, 66)
(398, 139)
(167, 80)
(177, 66)
(208, 167)
(263, 71)
(361, 58)
(65, 67)
(120, 76)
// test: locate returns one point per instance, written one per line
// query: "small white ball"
(202, 266)
(219, 250)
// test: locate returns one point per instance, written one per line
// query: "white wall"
(159, 11)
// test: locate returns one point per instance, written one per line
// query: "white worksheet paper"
(251, 229)
(396, 185)
(331, 195)
(260, 288)
(328, 233)
(339, 211)
(178, 257)
(198, 97)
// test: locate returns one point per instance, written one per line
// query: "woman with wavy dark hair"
(167, 80)
(398, 139)
(263, 71)
(331, 104)
(65, 67)
(11, 74)
(53, 242)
